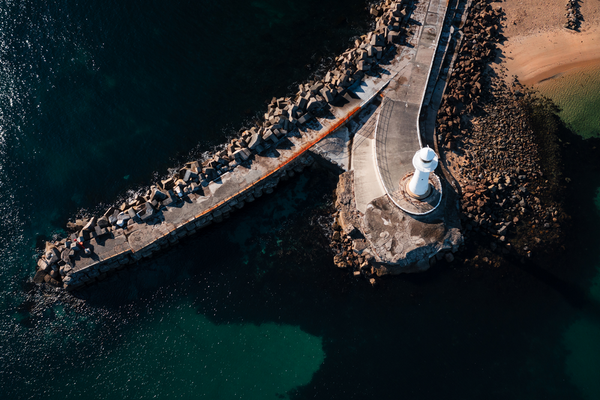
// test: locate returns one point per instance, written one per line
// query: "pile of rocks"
(285, 116)
(491, 149)
(504, 191)
(573, 15)
(346, 255)
(56, 267)
(464, 89)
(347, 243)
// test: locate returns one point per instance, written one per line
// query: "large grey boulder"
(90, 225)
(168, 183)
(255, 141)
(158, 195)
(242, 155)
(103, 222)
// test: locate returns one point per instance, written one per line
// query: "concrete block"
(168, 183)
(295, 111)
(241, 155)
(302, 103)
(194, 166)
(327, 94)
(179, 191)
(305, 118)
(393, 37)
(158, 195)
(316, 87)
(148, 213)
(270, 136)
(100, 231)
(313, 105)
(109, 212)
(190, 227)
(195, 188)
(247, 152)
(210, 173)
(103, 222)
(90, 224)
(363, 66)
(190, 175)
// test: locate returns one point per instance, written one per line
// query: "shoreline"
(541, 56)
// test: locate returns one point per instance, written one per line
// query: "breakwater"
(206, 191)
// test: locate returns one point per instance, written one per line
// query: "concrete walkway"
(398, 136)
(382, 154)
(369, 185)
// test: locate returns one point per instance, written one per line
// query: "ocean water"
(577, 93)
(98, 98)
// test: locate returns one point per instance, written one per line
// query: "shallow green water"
(577, 93)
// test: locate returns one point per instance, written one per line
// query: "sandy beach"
(538, 47)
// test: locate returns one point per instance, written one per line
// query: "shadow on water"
(271, 263)
(220, 247)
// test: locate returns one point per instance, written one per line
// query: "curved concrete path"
(379, 160)
(397, 135)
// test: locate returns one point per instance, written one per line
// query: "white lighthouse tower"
(425, 162)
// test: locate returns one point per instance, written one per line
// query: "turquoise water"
(581, 338)
(97, 98)
(184, 352)
(577, 93)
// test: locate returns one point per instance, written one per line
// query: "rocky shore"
(285, 117)
(501, 161)
(504, 164)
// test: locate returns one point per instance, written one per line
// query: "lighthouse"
(425, 162)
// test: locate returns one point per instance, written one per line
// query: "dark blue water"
(98, 98)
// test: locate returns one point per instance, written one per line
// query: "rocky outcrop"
(489, 147)
(573, 15)
(386, 240)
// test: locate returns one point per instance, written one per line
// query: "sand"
(539, 48)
